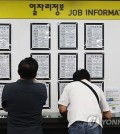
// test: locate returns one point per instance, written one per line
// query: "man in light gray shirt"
(84, 114)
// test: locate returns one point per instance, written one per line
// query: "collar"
(84, 80)
(25, 81)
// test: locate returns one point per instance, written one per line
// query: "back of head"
(81, 74)
(27, 68)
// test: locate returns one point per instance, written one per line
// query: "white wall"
(20, 48)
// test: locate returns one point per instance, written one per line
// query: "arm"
(4, 106)
(63, 110)
(64, 102)
(107, 115)
(4, 99)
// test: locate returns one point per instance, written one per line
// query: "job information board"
(60, 9)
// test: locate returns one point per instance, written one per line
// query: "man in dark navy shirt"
(24, 100)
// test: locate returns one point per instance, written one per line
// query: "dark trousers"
(24, 130)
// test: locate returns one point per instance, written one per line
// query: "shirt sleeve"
(45, 93)
(103, 103)
(64, 98)
(4, 98)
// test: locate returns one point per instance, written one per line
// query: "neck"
(27, 79)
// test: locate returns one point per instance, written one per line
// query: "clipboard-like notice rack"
(94, 36)
(5, 37)
(67, 65)
(5, 66)
(94, 63)
(40, 36)
(68, 35)
(44, 63)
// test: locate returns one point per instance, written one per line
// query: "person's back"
(79, 101)
(24, 100)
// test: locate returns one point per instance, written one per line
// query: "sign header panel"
(60, 9)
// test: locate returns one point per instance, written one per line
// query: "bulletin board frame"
(74, 66)
(93, 40)
(5, 36)
(8, 76)
(42, 36)
(95, 66)
(48, 72)
(72, 42)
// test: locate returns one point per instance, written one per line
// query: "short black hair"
(81, 74)
(27, 68)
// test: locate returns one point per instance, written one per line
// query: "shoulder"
(97, 89)
(7, 88)
(9, 84)
(39, 86)
(69, 84)
(39, 82)
(72, 85)
(94, 86)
